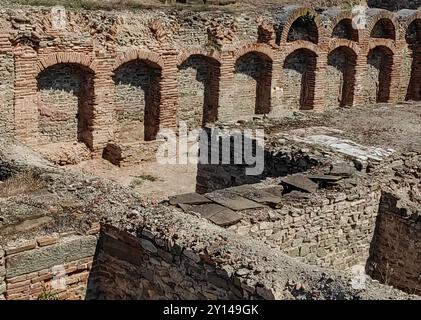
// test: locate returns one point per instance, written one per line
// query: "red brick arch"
(343, 15)
(145, 55)
(294, 15)
(407, 22)
(65, 57)
(211, 54)
(300, 44)
(258, 48)
(336, 43)
(383, 14)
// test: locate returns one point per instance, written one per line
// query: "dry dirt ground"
(397, 127)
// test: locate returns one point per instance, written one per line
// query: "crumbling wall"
(395, 250)
(332, 232)
(7, 79)
(47, 268)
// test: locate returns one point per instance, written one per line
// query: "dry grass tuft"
(20, 184)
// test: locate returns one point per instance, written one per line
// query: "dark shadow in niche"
(142, 95)
(344, 60)
(259, 67)
(384, 28)
(75, 80)
(413, 39)
(345, 30)
(304, 61)
(304, 28)
(208, 73)
(231, 169)
(381, 58)
(394, 5)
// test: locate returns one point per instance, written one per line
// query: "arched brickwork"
(51, 59)
(380, 61)
(65, 98)
(299, 75)
(198, 85)
(145, 55)
(137, 97)
(253, 82)
(340, 73)
(301, 24)
(213, 54)
(413, 39)
(382, 24)
(343, 29)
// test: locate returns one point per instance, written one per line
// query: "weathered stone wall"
(258, 67)
(222, 173)
(49, 267)
(395, 253)
(335, 231)
(160, 272)
(65, 101)
(7, 78)
(395, 5)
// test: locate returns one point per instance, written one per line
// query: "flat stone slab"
(232, 200)
(216, 213)
(189, 198)
(275, 190)
(259, 196)
(326, 178)
(300, 182)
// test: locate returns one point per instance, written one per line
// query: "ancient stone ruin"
(334, 213)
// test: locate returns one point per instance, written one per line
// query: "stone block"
(47, 257)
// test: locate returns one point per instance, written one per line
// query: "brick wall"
(47, 267)
(241, 66)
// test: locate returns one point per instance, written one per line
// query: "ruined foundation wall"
(395, 257)
(7, 79)
(335, 233)
(160, 272)
(196, 66)
(48, 267)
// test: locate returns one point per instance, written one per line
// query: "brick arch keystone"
(211, 54)
(301, 44)
(294, 15)
(146, 55)
(66, 57)
(259, 48)
(341, 43)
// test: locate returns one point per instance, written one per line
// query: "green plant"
(306, 20)
(48, 294)
(139, 180)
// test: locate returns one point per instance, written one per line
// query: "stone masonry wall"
(395, 257)
(48, 267)
(274, 82)
(160, 272)
(7, 74)
(335, 231)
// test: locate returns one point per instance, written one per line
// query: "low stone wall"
(334, 231)
(50, 267)
(278, 162)
(162, 272)
(396, 250)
